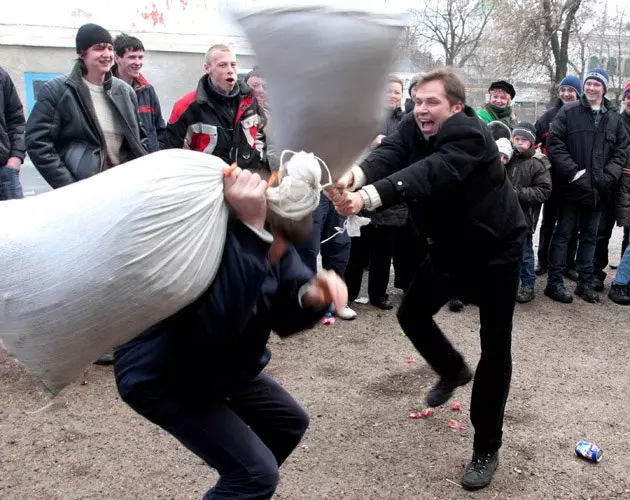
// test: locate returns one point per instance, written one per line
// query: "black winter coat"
(220, 340)
(457, 189)
(395, 216)
(530, 176)
(543, 124)
(63, 137)
(575, 143)
(11, 121)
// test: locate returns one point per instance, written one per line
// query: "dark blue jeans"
(586, 218)
(335, 252)
(528, 274)
(10, 187)
(245, 435)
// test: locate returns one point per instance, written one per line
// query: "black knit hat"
(525, 129)
(499, 130)
(91, 34)
(503, 85)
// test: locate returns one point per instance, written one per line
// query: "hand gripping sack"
(89, 266)
(326, 67)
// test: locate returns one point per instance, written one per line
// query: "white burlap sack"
(326, 66)
(89, 266)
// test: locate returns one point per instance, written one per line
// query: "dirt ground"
(570, 382)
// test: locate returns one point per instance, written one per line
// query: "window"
(33, 83)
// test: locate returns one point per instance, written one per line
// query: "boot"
(587, 293)
(558, 293)
(525, 294)
(619, 294)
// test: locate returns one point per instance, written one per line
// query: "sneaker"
(346, 313)
(455, 305)
(587, 293)
(571, 274)
(619, 294)
(443, 390)
(558, 293)
(540, 270)
(525, 294)
(480, 470)
(598, 285)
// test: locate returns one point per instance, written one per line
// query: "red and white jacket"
(229, 127)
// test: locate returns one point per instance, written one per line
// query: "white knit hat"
(505, 147)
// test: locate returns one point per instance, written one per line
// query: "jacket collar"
(207, 94)
(606, 104)
(626, 120)
(75, 78)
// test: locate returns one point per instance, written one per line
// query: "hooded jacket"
(230, 127)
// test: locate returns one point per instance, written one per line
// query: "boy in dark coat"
(530, 175)
(199, 374)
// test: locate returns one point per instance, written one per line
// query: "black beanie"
(91, 34)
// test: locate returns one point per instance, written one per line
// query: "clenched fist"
(246, 194)
(324, 288)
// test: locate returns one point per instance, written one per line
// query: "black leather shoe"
(540, 270)
(105, 360)
(620, 294)
(559, 294)
(455, 305)
(443, 390)
(382, 303)
(586, 293)
(572, 274)
(480, 470)
(598, 285)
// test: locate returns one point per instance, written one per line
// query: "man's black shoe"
(619, 294)
(558, 293)
(443, 390)
(598, 285)
(382, 303)
(572, 274)
(455, 305)
(480, 470)
(586, 293)
(105, 359)
(540, 270)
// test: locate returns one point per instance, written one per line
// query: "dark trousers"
(10, 187)
(495, 291)
(604, 232)
(335, 252)
(375, 247)
(551, 209)
(574, 215)
(245, 436)
(409, 252)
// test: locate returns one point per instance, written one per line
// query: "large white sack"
(90, 265)
(326, 65)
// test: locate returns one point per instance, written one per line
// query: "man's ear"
(457, 108)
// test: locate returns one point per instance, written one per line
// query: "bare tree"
(455, 27)
(542, 34)
(410, 52)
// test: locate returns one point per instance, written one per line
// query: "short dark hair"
(453, 84)
(253, 73)
(124, 43)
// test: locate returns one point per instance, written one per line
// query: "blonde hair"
(219, 47)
